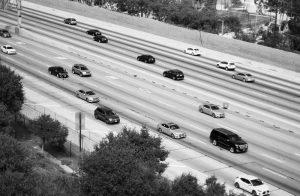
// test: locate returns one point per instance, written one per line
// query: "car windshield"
(110, 113)
(231, 63)
(256, 182)
(90, 93)
(196, 49)
(174, 127)
(9, 47)
(249, 75)
(234, 138)
(83, 68)
(60, 69)
(214, 107)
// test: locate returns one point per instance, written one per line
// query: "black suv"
(175, 74)
(93, 32)
(101, 39)
(4, 33)
(107, 115)
(146, 58)
(227, 139)
(58, 72)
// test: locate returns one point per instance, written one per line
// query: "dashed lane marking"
(270, 157)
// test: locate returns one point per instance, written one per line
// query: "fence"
(31, 112)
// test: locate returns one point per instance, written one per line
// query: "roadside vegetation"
(129, 163)
(203, 16)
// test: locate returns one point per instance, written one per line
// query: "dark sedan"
(146, 58)
(4, 33)
(174, 74)
(58, 72)
(70, 21)
(93, 32)
(101, 39)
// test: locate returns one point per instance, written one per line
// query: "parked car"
(8, 49)
(87, 95)
(100, 38)
(192, 51)
(58, 72)
(93, 32)
(212, 110)
(4, 33)
(245, 77)
(146, 58)
(171, 129)
(175, 74)
(252, 185)
(107, 115)
(81, 70)
(70, 21)
(228, 140)
(226, 65)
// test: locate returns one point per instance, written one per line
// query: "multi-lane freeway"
(265, 113)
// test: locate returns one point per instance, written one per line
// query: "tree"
(51, 131)
(11, 90)
(186, 185)
(6, 118)
(15, 163)
(127, 164)
(214, 188)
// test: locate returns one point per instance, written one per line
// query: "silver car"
(87, 95)
(171, 129)
(243, 76)
(8, 49)
(212, 110)
(226, 65)
(81, 70)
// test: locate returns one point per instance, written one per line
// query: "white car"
(252, 185)
(87, 95)
(171, 129)
(226, 65)
(192, 51)
(8, 49)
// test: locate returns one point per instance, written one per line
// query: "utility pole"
(19, 19)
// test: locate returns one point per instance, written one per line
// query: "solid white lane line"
(275, 173)
(166, 104)
(297, 154)
(270, 157)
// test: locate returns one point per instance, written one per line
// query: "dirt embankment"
(254, 52)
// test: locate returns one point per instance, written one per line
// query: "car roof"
(224, 131)
(57, 67)
(4, 30)
(86, 89)
(249, 177)
(80, 65)
(99, 36)
(171, 123)
(105, 108)
(95, 30)
(210, 104)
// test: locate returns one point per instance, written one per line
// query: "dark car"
(4, 33)
(175, 74)
(100, 38)
(71, 21)
(93, 32)
(107, 115)
(146, 58)
(228, 140)
(81, 70)
(58, 72)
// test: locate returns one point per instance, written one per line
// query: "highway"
(265, 113)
